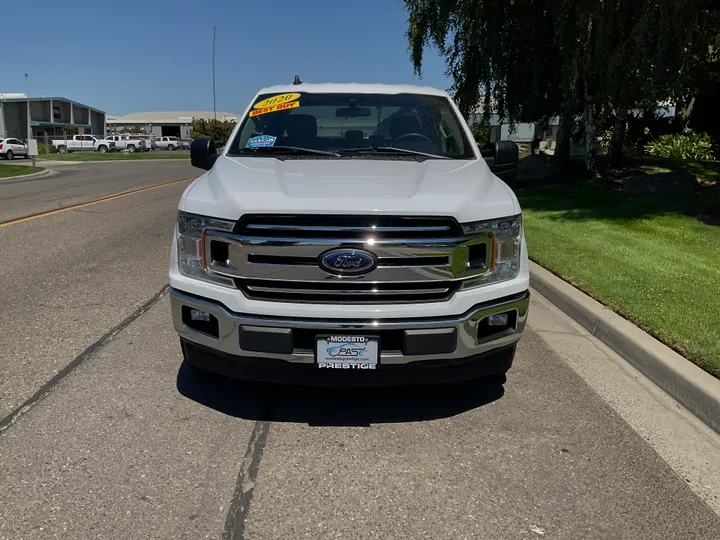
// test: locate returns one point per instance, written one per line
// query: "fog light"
(499, 319)
(198, 315)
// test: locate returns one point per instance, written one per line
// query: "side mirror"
(506, 153)
(203, 153)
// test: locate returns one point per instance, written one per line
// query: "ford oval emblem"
(348, 262)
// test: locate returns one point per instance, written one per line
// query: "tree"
(635, 55)
(70, 130)
(531, 59)
(214, 129)
(499, 55)
(135, 129)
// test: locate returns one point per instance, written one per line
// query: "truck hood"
(466, 190)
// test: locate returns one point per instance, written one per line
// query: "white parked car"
(386, 252)
(168, 143)
(11, 148)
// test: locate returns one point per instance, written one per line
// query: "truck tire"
(62, 149)
(102, 148)
(131, 148)
(9, 154)
(171, 147)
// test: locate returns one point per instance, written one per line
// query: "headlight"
(506, 247)
(190, 241)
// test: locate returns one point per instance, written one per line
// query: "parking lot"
(104, 433)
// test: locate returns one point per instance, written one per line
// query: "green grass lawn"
(112, 156)
(7, 170)
(708, 171)
(646, 257)
(705, 171)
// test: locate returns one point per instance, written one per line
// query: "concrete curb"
(32, 175)
(697, 390)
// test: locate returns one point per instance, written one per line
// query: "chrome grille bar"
(357, 292)
(383, 262)
(329, 226)
(333, 292)
(322, 228)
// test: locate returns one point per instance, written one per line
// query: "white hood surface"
(464, 189)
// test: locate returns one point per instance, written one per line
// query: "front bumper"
(399, 338)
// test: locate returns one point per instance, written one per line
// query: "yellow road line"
(89, 203)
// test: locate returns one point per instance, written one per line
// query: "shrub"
(696, 146)
(46, 149)
(219, 130)
(603, 138)
(481, 133)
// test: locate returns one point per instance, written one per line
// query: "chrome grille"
(276, 258)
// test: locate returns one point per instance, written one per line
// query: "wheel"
(9, 154)
(131, 148)
(171, 147)
(102, 149)
(62, 149)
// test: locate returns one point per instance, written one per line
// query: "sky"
(157, 55)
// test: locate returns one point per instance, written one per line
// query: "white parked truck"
(83, 143)
(168, 143)
(149, 141)
(130, 143)
(350, 234)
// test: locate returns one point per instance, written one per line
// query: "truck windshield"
(358, 124)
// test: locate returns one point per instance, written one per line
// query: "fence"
(45, 145)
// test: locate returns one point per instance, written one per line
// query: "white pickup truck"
(83, 143)
(128, 142)
(350, 234)
(168, 143)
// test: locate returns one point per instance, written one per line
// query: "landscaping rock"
(710, 189)
(673, 182)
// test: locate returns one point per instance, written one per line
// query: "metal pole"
(213, 75)
(29, 128)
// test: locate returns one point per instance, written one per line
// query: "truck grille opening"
(343, 227)
(346, 291)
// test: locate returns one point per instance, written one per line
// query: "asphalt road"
(105, 434)
(76, 183)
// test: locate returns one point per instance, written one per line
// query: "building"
(164, 123)
(48, 116)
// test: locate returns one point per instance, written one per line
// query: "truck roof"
(354, 88)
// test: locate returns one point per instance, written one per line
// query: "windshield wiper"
(291, 149)
(390, 150)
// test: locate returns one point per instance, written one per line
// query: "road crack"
(247, 478)
(89, 352)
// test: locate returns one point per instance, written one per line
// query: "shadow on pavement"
(335, 406)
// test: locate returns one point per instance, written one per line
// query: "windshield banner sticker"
(275, 108)
(261, 141)
(276, 100)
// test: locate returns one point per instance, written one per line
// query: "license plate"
(347, 352)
